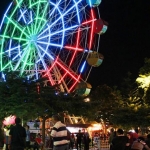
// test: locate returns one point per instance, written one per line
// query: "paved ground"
(96, 149)
(90, 149)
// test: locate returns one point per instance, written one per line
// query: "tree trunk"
(43, 129)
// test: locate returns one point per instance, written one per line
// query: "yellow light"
(144, 81)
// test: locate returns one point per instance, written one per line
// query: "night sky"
(126, 42)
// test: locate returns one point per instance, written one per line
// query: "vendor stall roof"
(79, 125)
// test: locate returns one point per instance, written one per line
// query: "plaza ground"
(104, 146)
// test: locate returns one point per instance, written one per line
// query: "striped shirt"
(59, 134)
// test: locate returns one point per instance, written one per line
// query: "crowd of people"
(18, 137)
(119, 140)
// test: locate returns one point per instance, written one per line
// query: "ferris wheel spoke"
(44, 65)
(68, 71)
(56, 7)
(77, 45)
(17, 26)
(74, 78)
(45, 52)
(77, 11)
(34, 4)
(27, 16)
(40, 23)
(14, 38)
(68, 29)
(25, 61)
(49, 44)
(59, 18)
(4, 66)
(21, 58)
(37, 16)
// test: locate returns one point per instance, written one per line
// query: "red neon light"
(74, 48)
(52, 66)
(88, 21)
(77, 44)
(66, 70)
(47, 73)
(51, 80)
(92, 30)
(62, 78)
(75, 83)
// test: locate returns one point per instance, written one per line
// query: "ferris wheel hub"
(33, 38)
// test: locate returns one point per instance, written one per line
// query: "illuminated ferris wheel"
(57, 39)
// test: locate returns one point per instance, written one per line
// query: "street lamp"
(87, 100)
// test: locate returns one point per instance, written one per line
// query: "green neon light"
(37, 13)
(17, 26)
(40, 24)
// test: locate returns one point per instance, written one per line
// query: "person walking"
(27, 137)
(6, 139)
(72, 141)
(17, 136)
(140, 144)
(147, 141)
(59, 134)
(111, 136)
(38, 142)
(86, 140)
(79, 139)
(120, 142)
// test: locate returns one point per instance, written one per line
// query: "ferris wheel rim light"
(83, 66)
(5, 15)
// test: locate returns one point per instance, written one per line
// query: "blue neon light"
(22, 15)
(76, 4)
(45, 52)
(31, 17)
(36, 68)
(50, 44)
(25, 16)
(3, 76)
(9, 47)
(5, 15)
(57, 32)
(19, 53)
(59, 18)
(83, 66)
(89, 2)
